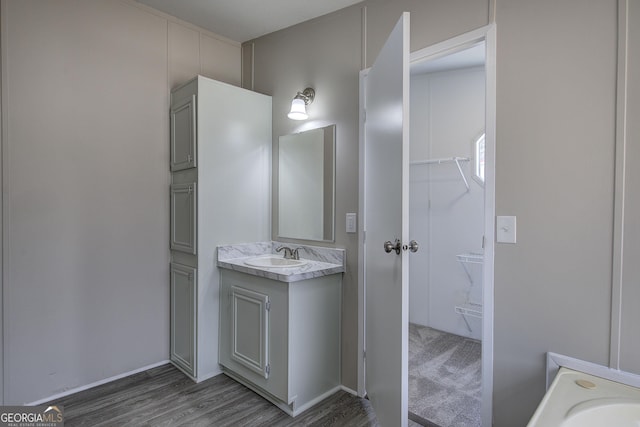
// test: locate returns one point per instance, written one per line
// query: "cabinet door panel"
(250, 329)
(183, 217)
(183, 134)
(183, 312)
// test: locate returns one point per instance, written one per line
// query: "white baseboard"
(348, 390)
(199, 378)
(208, 376)
(291, 409)
(97, 383)
(298, 410)
(277, 402)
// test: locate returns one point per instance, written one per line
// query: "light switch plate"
(506, 229)
(352, 225)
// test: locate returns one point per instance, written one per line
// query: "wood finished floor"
(164, 396)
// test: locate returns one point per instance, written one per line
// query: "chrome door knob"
(396, 246)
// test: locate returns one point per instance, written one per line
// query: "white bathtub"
(602, 403)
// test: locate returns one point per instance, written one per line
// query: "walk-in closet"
(447, 218)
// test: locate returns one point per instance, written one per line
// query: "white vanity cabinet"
(282, 339)
(220, 162)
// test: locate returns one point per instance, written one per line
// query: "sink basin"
(272, 261)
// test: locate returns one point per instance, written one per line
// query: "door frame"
(452, 45)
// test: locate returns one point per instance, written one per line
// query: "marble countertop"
(318, 262)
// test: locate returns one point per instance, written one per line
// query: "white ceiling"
(473, 56)
(243, 20)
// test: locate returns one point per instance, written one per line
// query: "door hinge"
(267, 306)
(267, 369)
(364, 354)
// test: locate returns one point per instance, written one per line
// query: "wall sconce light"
(300, 101)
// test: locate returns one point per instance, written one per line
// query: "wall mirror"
(306, 184)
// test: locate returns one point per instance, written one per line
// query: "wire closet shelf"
(456, 160)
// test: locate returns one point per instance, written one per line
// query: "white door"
(386, 205)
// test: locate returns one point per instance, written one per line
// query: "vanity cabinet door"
(250, 330)
(183, 217)
(183, 134)
(254, 332)
(183, 317)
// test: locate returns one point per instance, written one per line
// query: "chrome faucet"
(288, 252)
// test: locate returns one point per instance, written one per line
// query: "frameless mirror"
(306, 184)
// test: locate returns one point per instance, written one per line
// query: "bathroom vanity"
(280, 325)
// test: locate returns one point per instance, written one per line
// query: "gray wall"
(556, 75)
(626, 345)
(85, 95)
(556, 89)
(327, 54)
(307, 55)
(86, 200)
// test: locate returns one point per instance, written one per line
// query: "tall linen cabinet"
(220, 194)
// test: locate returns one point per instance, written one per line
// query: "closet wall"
(447, 113)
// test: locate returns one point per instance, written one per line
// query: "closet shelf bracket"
(469, 309)
(455, 160)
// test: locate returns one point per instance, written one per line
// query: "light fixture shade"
(298, 110)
